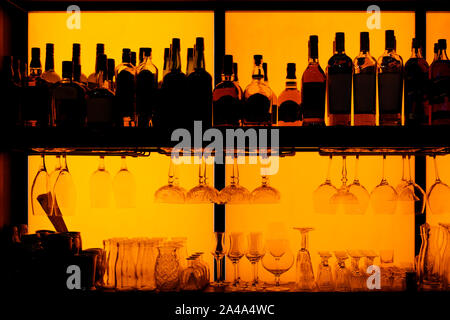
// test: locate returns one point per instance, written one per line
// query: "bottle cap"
(264, 66)
(141, 55)
(102, 63)
(258, 59)
(442, 44)
(76, 72)
(340, 41)
(76, 49)
(166, 52)
(235, 71)
(365, 42)
(314, 46)
(291, 71)
(147, 52)
(49, 47)
(228, 64)
(126, 55)
(111, 69)
(190, 52)
(35, 53)
(175, 44)
(415, 43)
(67, 69)
(390, 39)
(100, 48)
(199, 44)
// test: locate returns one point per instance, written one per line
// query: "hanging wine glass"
(265, 193)
(343, 197)
(64, 192)
(384, 197)
(439, 194)
(52, 178)
(100, 186)
(124, 186)
(234, 193)
(412, 198)
(40, 191)
(171, 192)
(322, 195)
(403, 182)
(360, 192)
(202, 193)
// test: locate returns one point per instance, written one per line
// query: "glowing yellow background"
(438, 27)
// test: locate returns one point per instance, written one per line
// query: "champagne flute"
(171, 192)
(255, 252)
(100, 186)
(439, 194)
(236, 251)
(40, 191)
(124, 186)
(322, 195)
(64, 192)
(219, 251)
(234, 193)
(384, 197)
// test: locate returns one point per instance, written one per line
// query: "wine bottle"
(92, 77)
(146, 89)
(190, 61)
(125, 90)
(289, 111)
(440, 82)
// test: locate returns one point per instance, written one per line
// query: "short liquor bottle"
(390, 84)
(100, 103)
(76, 53)
(92, 77)
(274, 110)
(125, 91)
(313, 87)
(417, 110)
(257, 110)
(190, 61)
(146, 89)
(173, 111)
(49, 75)
(199, 87)
(69, 100)
(339, 84)
(440, 83)
(227, 97)
(364, 84)
(289, 111)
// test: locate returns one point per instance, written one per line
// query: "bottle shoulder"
(289, 94)
(147, 67)
(51, 76)
(340, 63)
(390, 62)
(125, 67)
(100, 93)
(257, 86)
(313, 73)
(416, 64)
(365, 63)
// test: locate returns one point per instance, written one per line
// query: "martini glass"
(384, 197)
(343, 197)
(202, 193)
(439, 194)
(100, 186)
(265, 194)
(64, 191)
(360, 192)
(40, 191)
(234, 193)
(322, 195)
(171, 192)
(124, 186)
(412, 196)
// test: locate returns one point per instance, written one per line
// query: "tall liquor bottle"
(146, 89)
(190, 61)
(173, 111)
(76, 53)
(125, 90)
(417, 109)
(289, 111)
(227, 97)
(100, 100)
(257, 109)
(435, 51)
(274, 96)
(339, 84)
(199, 86)
(440, 82)
(364, 84)
(390, 83)
(69, 101)
(92, 77)
(313, 87)
(49, 74)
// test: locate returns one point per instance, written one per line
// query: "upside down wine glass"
(100, 186)
(234, 193)
(384, 197)
(202, 193)
(305, 273)
(343, 197)
(124, 186)
(322, 195)
(40, 191)
(64, 192)
(359, 191)
(412, 197)
(265, 194)
(439, 194)
(171, 192)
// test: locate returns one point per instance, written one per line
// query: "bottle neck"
(49, 62)
(176, 61)
(199, 60)
(442, 54)
(389, 51)
(416, 53)
(313, 60)
(291, 84)
(227, 77)
(258, 73)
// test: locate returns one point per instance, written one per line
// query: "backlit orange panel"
(438, 27)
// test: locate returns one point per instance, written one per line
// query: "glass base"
(219, 284)
(279, 288)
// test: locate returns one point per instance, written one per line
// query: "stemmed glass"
(52, 180)
(265, 193)
(124, 186)
(279, 260)
(202, 193)
(403, 182)
(305, 273)
(64, 192)
(412, 194)
(322, 195)
(100, 186)
(236, 251)
(359, 191)
(439, 194)
(40, 191)
(219, 251)
(171, 192)
(384, 197)
(255, 252)
(342, 274)
(343, 197)
(234, 193)
(387, 268)
(324, 274)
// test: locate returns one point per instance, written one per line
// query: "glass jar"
(167, 267)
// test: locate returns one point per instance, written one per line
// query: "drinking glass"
(357, 278)
(236, 251)
(265, 194)
(359, 191)
(219, 251)
(324, 279)
(322, 195)
(384, 197)
(202, 193)
(171, 192)
(412, 197)
(343, 197)
(255, 252)
(234, 193)
(387, 269)
(279, 260)
(342, 274)
(100, 186)
(124, 186)
(40, 191)
(64, 192)
(167, 267)
(305, 273)
(438, 194)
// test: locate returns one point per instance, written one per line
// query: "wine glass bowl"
(64, 191)
(343, 198)
(100, 186)
(360, 192)
(383, 197)
(439, 194)
(202, 193)
(171, 192)
(411, 198)
(124, 187)
(234, 193)
(279, 260)
(322, 195)
(40, 192)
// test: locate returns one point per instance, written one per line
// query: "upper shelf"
(141, 141)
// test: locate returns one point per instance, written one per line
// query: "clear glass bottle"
(227, 97)
(274, 96)
(92, 77)
(390, 83)
(257, 110)
(69, 108)
(289, 111)
(364, 84)
(125, 90)
(190, 61)
(49, 74)
(339, 84)
(313, 87)
(417, 108)
(146, 89)
(76, 52)
(100, 104)
(440, 83)
(199, 88)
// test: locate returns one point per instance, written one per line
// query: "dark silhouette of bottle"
(92, 77)
(76, 52)
(417, 108)
(289, 111)
(190, 61)
(227, 97)
(111, 74)
(49, 74)
(146, 89)
(313, 87)
(440, 82)
(274, 99)
(133, 58)
(125, 90)
(339, 84)
(236, 78)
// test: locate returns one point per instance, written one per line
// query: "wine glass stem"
(382, 173)
(236, 273)
(219, 276)
(344, 170)
(277, 280)
(255, 273)
(436, 168)
(329, 168)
